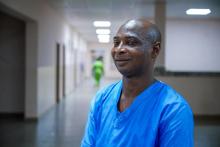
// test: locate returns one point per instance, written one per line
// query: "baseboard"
(11, 115)
(207, 119)
(16, 116)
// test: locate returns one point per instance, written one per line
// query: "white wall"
(69, 66)
(193, 45)
(80, 60)
(51, 28)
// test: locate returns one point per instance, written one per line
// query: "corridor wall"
(50, 28)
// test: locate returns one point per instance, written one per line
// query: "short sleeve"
(176, 126)
(93, 122)
(90, 134)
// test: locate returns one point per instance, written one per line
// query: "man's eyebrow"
(115, 37)
(127, 37)
(131, 37)
(134, 37)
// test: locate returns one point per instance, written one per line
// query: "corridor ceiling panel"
(82, 13)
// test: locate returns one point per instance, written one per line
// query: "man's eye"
(132, 42)
(116, 43)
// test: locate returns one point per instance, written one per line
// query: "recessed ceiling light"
(104, 38)
(193, 11)
(104, 41)
(103, 31)
(102, 23)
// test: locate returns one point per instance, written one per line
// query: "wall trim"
(201, 119)
(161, 71)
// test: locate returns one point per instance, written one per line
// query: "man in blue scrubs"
(138, 111)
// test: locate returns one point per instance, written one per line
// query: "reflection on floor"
(63, 125)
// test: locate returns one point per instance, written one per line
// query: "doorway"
(64, 71)
(12, 65)
(57, 73)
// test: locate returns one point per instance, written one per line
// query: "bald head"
(146, 30)
(136, 47)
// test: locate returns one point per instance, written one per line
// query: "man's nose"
(121, 48)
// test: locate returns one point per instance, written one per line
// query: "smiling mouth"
(121, 62)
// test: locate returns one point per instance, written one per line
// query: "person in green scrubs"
(97, 70)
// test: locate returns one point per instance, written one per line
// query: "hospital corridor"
(63, 125)
(55, 55)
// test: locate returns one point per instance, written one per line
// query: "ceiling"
(82, 13)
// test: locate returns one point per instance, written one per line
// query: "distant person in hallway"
(97, 70)
(139, 110)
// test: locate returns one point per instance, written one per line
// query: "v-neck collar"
(136, 102)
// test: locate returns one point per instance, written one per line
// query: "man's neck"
(135, 85)
(131, 88)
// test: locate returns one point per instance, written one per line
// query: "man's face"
(131, 51)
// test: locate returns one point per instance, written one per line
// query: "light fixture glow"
(102, 23)
(104, 41)
(198, 11)
(104, 38)
(103, 31)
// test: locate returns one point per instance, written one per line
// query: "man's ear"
(156, 50)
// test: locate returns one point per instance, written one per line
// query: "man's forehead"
(126, 34)
(132, 28)
(130, 32)
(131, 24)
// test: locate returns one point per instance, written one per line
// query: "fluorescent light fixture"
(103, 31)
(104, 38)
(102, 23)
(104, 41)
(193, 11)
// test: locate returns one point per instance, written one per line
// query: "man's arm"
(176, 126)
(90, 132)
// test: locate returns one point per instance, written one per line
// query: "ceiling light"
(104, 41)
(103, 31)
(198, 11)
(102, 23)
(104, 38)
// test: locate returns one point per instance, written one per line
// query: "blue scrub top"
(158, 117)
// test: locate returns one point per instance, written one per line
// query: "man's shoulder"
(175, 117)
(172, 99)
(106, 91)
(170, 94)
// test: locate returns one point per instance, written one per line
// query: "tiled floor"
(63, 125)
